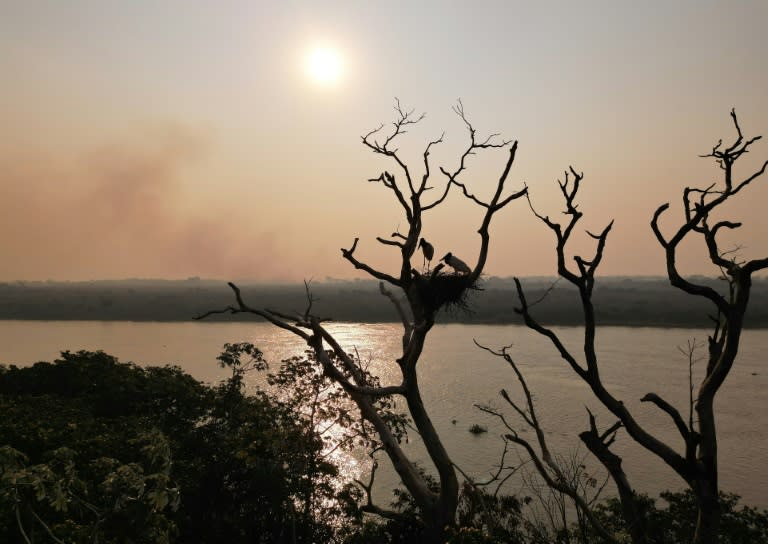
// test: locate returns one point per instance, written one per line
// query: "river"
(455, 375)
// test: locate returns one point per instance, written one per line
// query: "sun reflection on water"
(375, 347)
(454, 375)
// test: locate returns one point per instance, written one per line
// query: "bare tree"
(697, 464)
(424, 296)
(562, 479)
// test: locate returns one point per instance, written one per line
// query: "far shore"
(619, 301)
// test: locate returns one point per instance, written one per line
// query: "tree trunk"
(708, 521)
(442, 517)
(633, 512)
(706, 488)
(442, 513)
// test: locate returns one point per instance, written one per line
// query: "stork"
(457, 264)
(428, 250)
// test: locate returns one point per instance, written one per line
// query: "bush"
(94, 449)
(675, 521)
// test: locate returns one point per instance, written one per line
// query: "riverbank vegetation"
(95, 450)
(619, 301)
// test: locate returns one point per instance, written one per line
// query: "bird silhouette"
(457, 264)
(428, 250)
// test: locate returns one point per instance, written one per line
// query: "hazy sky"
(186, 138)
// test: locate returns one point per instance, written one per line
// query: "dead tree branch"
(497, 201)
(698, 465)
(543, 460)
(424, 296)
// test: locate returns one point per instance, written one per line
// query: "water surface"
(455, 375)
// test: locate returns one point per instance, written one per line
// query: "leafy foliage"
(98, 450)
(92, 449)
(327, 417)
(675, 521)
(325, 408)
(482, 517)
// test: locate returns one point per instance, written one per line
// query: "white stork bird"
(457, 264)
(428, 250)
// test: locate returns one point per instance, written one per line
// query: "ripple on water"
(455, 375)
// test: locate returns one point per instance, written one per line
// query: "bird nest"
(446, 291)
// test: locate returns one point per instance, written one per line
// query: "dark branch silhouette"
(422, 298)
(697, 465)
(543, 460)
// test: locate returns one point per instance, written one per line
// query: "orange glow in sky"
(189, 138)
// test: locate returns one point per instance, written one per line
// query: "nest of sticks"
(446, 291)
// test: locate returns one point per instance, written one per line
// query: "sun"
(324, 65)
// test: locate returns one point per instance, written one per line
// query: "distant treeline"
(618, 301)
